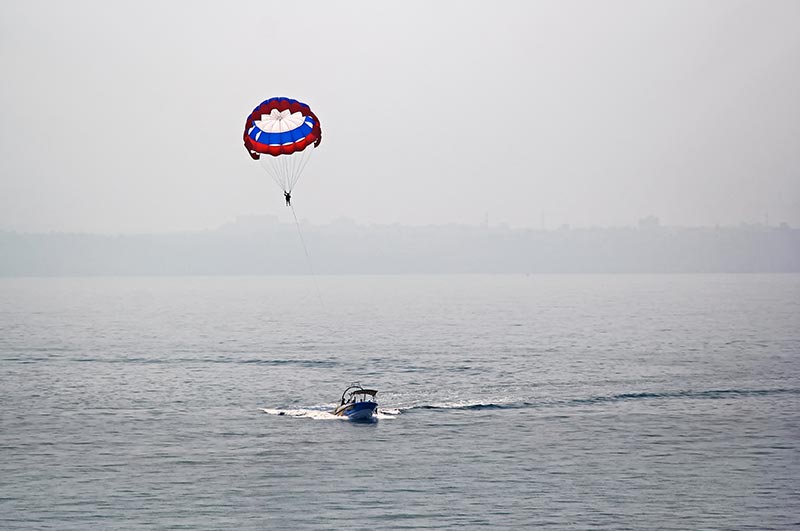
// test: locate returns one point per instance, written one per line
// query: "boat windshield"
(356, 393)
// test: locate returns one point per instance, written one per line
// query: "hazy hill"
(262, 246)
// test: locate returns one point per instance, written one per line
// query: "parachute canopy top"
(281, 126)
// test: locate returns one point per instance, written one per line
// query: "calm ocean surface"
(509, 402)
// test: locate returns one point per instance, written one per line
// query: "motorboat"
(357, 403)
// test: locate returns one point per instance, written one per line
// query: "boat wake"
(325, 414)
(315, 414)
(543, 403)
(713, 394)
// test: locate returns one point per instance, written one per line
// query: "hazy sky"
(128, 116)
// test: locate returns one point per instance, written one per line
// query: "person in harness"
(288, 197)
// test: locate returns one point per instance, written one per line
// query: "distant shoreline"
(260, 246)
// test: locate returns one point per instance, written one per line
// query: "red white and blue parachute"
(281, 133)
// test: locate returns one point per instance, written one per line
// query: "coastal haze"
(262, 245)
(123, 118)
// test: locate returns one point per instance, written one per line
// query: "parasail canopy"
(281, 133)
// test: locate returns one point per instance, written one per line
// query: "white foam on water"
(303, 413)
(387, 413)
(318, 414)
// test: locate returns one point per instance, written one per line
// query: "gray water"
(508, 402)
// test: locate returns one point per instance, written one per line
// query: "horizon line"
(647, 223)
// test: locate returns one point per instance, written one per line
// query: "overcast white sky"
(128, 116)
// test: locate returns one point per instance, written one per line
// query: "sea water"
(506, 402)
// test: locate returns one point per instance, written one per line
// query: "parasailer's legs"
(288, 197)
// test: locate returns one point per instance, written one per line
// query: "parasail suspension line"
(308, 257)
